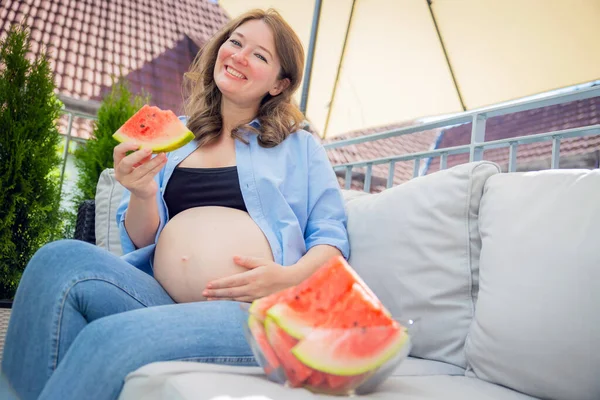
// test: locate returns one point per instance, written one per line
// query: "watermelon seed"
(297, 297)
(142, 126)
(355, 323)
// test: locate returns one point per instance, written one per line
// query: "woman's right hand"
(137, 170)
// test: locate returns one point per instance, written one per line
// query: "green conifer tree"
(29, 136)
(97, 154)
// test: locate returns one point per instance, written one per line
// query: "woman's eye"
(235, 42)
(261, 57)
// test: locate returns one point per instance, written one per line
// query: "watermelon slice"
(325, 286)
(282, 344)
(258, 332)
(259, 307)
(310, 303)
(153, 128)
(350, 352)
(356, 308)
(331, 333)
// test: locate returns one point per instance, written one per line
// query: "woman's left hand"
(262, 278)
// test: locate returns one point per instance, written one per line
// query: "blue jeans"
(83, 319)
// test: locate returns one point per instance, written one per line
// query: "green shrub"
(29, 185)
(97, 154)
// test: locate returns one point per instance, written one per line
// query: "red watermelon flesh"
(310, 303)
(357, 309)
(354, 309)
(282, 343)
(153, 128)
(326, 286)
(260, 306)
(260, 336)
(316, 379)
(317, 293)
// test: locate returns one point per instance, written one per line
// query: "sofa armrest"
(85, 227)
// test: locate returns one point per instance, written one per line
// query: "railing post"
(416, 167)
(444, 161)
(65, 153)
(367, 187)
(555, 162)
(512, 157)
(390, 179)
(348, 181)
(477, 137)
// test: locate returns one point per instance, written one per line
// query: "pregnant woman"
(248, 208)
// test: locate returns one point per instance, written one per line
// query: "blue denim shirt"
(291, 192)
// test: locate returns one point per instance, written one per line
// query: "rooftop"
(91, 41)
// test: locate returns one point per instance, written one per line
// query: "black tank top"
(197, 187)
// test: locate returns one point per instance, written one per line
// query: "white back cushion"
(417, 246)
(108, 197)
(537, 325)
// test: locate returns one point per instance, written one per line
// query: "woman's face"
(247, 65)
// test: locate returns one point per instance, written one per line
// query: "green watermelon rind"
(159, 148)
(313, 351)
(292, 322)
(285, 355)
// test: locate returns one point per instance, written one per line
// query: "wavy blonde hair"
(277, 115)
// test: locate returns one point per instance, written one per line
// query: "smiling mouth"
(234, 72)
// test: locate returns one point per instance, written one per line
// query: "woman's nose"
(240, 58)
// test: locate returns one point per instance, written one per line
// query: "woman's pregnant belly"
(198, 246)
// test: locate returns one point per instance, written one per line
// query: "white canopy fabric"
(407, 59)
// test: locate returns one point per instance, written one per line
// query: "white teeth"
(235, 73)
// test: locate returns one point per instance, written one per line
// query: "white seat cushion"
(537, 324)
(187, 381)
(417, 246)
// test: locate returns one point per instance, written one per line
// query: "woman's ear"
(279, 86)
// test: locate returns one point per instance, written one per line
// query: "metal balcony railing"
(73, 108)
(478, 143)
(88, 110)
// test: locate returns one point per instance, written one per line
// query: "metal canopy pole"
(339, 69)
(437, 29)
(310, 56)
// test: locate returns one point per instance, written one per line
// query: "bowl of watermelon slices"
(330, 334)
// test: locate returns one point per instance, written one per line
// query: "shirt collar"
(255, 123)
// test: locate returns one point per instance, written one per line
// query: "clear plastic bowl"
(282, 366)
